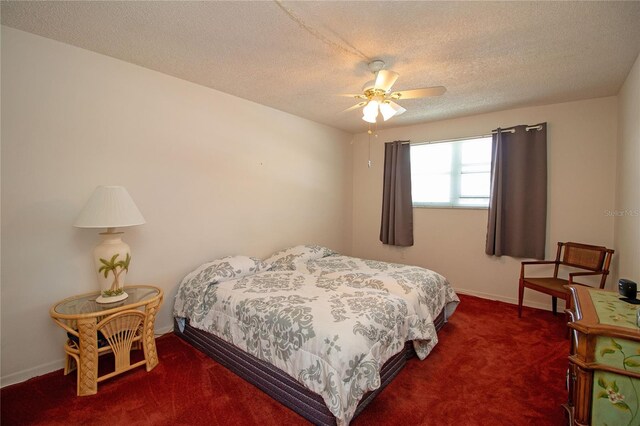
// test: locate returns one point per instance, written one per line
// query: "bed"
(320, 332)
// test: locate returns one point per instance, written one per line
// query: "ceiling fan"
(377, 95)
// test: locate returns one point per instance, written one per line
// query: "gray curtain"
(518, 201)
(397, 209)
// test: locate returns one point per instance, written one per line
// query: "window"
(451, 174)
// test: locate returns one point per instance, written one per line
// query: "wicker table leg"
(148, 337)
(88, 365)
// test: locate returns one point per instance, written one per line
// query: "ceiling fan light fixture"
(370, 111)
(371, 108)
(387, 111)
(369, 118)
(397, 108)
(390, 109)
(378, 99)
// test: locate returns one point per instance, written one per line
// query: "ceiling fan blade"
(356, 106)
(385, 79)
(419, 93)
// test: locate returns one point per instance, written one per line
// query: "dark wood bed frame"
(281, 386)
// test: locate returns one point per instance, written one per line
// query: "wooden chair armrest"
(535, 262)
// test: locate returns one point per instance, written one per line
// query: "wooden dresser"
(604, 364)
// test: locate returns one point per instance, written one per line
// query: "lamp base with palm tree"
(112, 258)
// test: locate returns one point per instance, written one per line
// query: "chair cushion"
(550, 284)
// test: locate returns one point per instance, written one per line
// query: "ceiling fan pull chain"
(369, 132)
(375, 135)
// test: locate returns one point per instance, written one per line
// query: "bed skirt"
(281, 386)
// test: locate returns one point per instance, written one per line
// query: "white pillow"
(284, 260)
(197, 281)
(228, 268)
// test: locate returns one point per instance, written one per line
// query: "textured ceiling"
(489, 55)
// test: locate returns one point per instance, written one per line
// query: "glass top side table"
(95, 328)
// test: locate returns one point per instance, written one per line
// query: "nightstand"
(604, 364)
(95, 329)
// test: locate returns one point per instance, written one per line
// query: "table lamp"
(110, 207)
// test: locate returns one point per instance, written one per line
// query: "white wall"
(627, 221)
(212, 174)
(581, 174)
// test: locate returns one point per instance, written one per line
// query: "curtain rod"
(508, 130)
(447, 140)
(513, 130)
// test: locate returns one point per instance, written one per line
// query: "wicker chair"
(594, 259)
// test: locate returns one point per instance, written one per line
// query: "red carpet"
(490, 368)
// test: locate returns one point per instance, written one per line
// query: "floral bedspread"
(427, 292)
(330, 323)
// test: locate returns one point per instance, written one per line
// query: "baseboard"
(23, 375)
(511, 300)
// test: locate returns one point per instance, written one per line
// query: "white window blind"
(451, 174)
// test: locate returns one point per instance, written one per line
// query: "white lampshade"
(109, 207)
(389, 109)
(369, 118)
(371, 109)
(370, 112)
